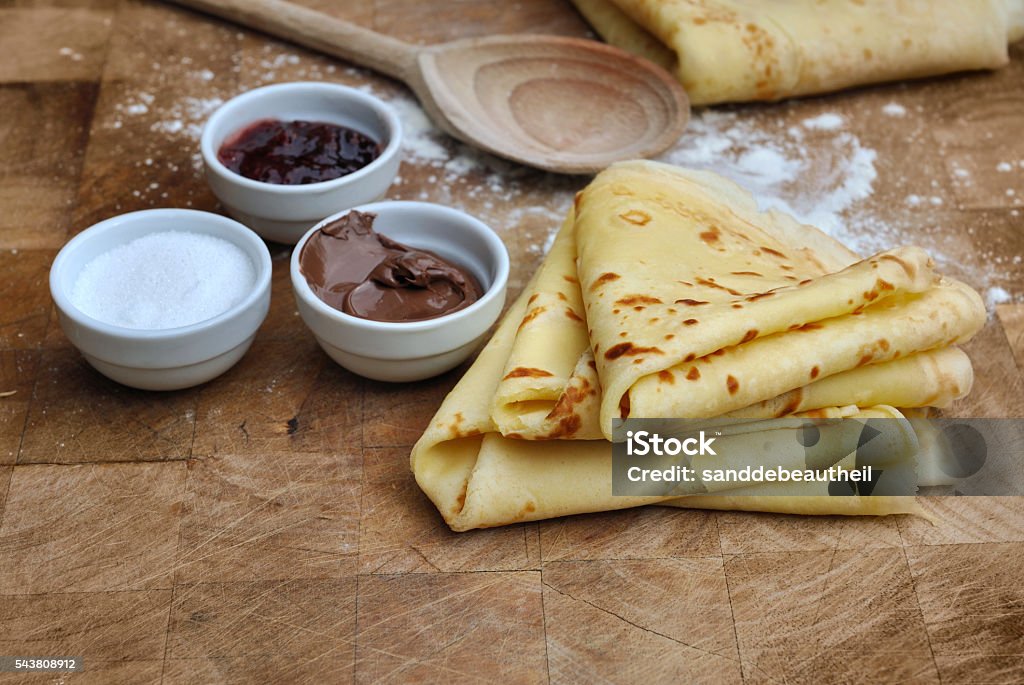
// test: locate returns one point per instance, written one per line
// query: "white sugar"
(164, 280)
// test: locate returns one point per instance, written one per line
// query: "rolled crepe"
(741, 50)
(478, 479)
(550, 387)
(699, 304)
(522, 436)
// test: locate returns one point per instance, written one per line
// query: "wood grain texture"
(265, 526)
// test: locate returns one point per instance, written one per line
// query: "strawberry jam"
(296, 152)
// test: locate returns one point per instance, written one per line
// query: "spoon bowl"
(560, 104)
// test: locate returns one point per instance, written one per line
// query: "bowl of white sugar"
(162, 299)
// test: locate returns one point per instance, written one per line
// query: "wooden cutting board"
(265, 526)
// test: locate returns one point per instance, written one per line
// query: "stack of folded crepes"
(668, 294)
(740, 50)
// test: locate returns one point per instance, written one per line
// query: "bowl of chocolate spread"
(400, 291)
(281, 158)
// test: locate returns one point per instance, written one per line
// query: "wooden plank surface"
(265, 526)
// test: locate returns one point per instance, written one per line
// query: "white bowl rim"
(393, 147)
(497, 286)
(67, 307)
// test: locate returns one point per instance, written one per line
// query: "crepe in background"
(741, 50)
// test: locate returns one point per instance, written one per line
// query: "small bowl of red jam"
(400, 291)
(282, 157)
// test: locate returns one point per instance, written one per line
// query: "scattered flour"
(1004, 167)
(71, 54)
(996, 295)
(825, 122)
(775, 163)
(894, 109)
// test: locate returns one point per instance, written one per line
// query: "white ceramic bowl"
(172, 358)
(284, 213)
(409, 351)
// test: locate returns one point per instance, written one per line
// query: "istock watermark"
(813, 457)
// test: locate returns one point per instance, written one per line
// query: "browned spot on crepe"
(670, 336)
(774, 253)
(572, 279)
(814, 372)
(667, 377)
(628, 349)
(866, 359)
(637, 299)
(561, 296)
(760, 296)
(624, 406)
(636, 217)
(690, 302)
(744, 273)
(606, 277)
(693, 374)
(710, 283)
(803, 282)
(525, 372)
(883, 285)
(564, 410)
(711, 236)
(690, 322)
(690, 357)
(732, 384)
(737, 305)
(792, 403)
(750, 335)
(573, 315)
(884, 345)
(531, 315)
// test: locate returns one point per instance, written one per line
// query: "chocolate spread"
(360, 272)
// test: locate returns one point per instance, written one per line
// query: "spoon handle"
(318, 31)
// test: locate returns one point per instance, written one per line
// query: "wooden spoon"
(562, 104)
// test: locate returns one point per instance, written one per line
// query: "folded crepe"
(659, 271)
(741, 50)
